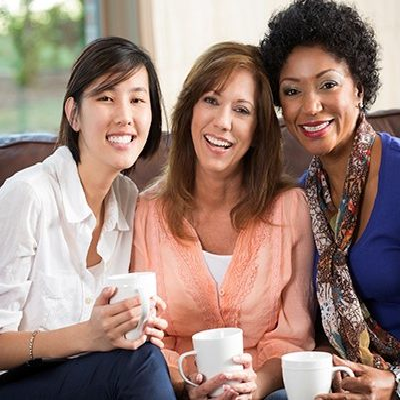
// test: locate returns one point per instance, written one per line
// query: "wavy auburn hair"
(262, 165)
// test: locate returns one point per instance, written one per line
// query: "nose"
(123, 114)
(312, 103)
(223, 118)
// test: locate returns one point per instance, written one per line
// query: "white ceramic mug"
(308, 373)
(214, 350)
(142, 284)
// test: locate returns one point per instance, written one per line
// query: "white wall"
(180, 30)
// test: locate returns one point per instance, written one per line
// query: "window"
(39, 40)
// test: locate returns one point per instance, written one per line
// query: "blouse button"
(221, 292)
(88, 300)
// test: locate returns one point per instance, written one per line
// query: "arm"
(20, 214)
(294, 329)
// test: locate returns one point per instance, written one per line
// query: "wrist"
(84, 341)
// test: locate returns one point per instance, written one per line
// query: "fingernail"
(228, 376)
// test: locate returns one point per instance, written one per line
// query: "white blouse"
(46, 228)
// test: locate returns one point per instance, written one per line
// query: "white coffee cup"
(214, 350)
(308, 373)
(142, 284)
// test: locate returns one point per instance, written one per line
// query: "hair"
(114, 59)
(337, 28)
(262, 163)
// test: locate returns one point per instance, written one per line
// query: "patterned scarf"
(346, 321)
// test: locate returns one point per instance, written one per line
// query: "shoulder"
(29, 183)
(292, 199)
(390, 142)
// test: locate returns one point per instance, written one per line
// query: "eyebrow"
(317, 76)
(218, 93)
(97, 90)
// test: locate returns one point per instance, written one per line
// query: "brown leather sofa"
(21, 151)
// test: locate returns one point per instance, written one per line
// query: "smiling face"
(223, 124)
(319, 100)
(113, 124)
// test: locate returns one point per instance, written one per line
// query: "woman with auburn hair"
(228, 236)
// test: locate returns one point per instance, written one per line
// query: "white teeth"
(316, 128)
(218, 142)
(124, 139)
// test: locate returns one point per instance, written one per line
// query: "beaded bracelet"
(31, 342)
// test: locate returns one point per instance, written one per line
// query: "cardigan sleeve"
(294, 330)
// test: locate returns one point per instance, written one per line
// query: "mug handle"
(180, 361)
(344, 369)
(135, 333)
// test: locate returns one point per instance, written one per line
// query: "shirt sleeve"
(294, 330)
(19, 215)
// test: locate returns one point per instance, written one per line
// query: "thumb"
(105, 296)
(356, 367)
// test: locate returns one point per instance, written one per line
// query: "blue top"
(374, 260)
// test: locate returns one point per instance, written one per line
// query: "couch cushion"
(21, 151)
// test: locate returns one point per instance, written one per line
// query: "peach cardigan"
(267, 289)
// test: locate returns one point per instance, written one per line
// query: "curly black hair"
(335, 27)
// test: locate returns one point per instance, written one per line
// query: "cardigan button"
(221, 292)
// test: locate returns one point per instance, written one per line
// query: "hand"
(155, 326)
(369, 383)
(245, 380)
(205, 388)
(109, 323)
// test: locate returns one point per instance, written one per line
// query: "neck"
(335, 166)
(95, 187)
(214, 192)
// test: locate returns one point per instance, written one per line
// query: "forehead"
(240, 78)
(306, 61)
(108, 81)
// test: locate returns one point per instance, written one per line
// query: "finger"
(228, 394)
(158, 323)
(125, 305)
(337, 383)
(105, 296)
(357, 368)
(245, 387)
(160, 303)
(123, 328)
(245, 359)
(339, 396)
(158, 342)
(210, 385)
(157, 333)
(129, 344)
(242, 376)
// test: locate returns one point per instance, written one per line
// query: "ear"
(71, 113)
(360, 91)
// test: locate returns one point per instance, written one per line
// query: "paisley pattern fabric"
(347, 323)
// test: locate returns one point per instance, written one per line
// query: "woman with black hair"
(65, 225)
(322, 61)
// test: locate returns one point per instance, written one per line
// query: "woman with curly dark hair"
(322, 61)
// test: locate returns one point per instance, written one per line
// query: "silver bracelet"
(31, 342)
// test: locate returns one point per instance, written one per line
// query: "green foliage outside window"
(37, 49)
